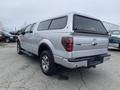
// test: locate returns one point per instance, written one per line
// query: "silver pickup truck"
(71, 40)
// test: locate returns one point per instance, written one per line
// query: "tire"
(47, 64)
(19, 48)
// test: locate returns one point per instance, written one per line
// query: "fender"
(18, 39)
(48, 43)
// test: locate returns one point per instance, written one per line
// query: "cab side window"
(27, 30)
(33, 26)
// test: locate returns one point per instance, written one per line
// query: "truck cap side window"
(59, 23)
(44, 25)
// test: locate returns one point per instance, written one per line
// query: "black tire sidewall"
(18, 44)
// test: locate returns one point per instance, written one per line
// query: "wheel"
(7, 40)
(47, 64)
(19, 48)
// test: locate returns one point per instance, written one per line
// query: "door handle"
(79, 44)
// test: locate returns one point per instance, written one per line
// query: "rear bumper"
(82, 62)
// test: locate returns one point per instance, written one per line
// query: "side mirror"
(23, 33)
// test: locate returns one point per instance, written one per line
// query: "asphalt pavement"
(22, 72)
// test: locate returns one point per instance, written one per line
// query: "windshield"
(83, 24)
(115, 32)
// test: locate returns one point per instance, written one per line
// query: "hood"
(117, 36)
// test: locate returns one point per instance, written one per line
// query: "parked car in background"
(71, 40)
(0, 37)
(114, 39)
(7, 37)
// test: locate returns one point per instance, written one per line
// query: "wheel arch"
(18, 39)
(44, 46)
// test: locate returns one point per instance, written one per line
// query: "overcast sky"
(15, 13)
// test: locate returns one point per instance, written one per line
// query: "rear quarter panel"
(53, 40)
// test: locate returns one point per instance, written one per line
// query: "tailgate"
(89, 45)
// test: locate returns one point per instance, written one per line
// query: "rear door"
(39, 34)
(90, 37)
(30, 38)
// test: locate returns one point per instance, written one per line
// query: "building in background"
(110, 27)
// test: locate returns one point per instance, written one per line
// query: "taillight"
(67, 43)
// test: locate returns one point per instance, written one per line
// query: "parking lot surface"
(22, 72)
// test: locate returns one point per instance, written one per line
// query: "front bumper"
(114, 40)
(82, 62)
